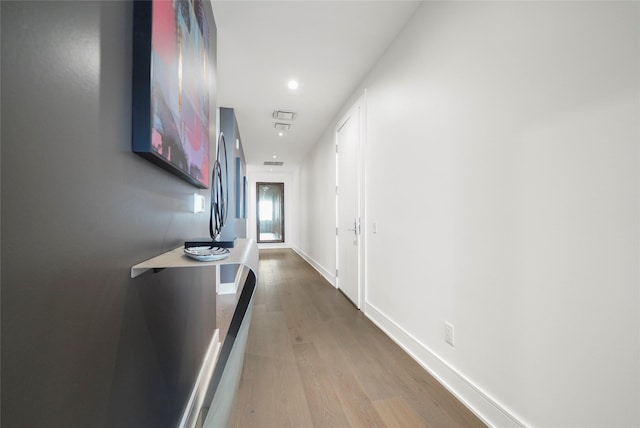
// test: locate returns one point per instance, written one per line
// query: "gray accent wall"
(83, 344)
(236, 225)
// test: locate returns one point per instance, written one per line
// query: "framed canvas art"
(171, 87)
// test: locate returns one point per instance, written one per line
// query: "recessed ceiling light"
(280, 134)
(274, 156)
(293, 85)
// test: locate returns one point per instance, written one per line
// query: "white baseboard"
(196, 399)
(486, 408)
(317, 266)
(275, 245)
(231, 287)
(227, 288)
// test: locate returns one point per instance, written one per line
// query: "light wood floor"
(314, 360)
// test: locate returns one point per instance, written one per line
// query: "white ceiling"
(328, 46)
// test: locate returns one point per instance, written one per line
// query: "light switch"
(198, 203)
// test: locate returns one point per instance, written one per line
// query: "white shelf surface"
(245, 252)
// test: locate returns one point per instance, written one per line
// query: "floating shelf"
(245, 252)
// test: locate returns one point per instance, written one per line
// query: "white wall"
(257, 174)
(315, 210)
(502, 161)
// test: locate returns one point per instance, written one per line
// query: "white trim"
(231, 287)
(356, 110)
(227, 287)
(238, 278)
(317, 266)
(217, 279)
(196, 399)
(273, 245)
(364, 199)
(486, 408)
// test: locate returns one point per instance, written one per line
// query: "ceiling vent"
(271, 163)
(281, 126)
(284, 115)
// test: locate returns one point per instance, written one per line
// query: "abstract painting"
(171, 83)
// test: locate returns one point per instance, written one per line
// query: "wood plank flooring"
(314, 360)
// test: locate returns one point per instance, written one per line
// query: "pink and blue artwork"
(171, 87)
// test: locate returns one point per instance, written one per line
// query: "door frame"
(282, 213)
(358, 106)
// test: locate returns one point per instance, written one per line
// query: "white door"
(348, 207)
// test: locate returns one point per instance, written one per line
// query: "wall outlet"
(448, 334)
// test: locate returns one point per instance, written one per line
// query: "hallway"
(313, 360)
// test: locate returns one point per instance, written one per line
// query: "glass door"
(270, 215)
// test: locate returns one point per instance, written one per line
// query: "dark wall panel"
(82, 343)
(236, 226)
